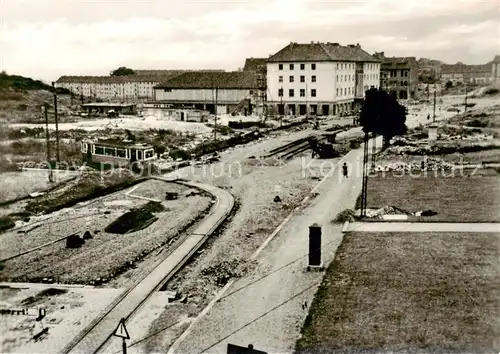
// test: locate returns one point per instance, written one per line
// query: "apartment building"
(461, 73)
(399, 74)
(319, 78)
(116, 88)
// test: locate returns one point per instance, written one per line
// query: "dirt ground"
(105, 255)
(69, 310)
(18, 184)
(255, 184)
(429, 293)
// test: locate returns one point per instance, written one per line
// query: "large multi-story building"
(467, 74)
(319, 78)
(399, 74)
(117, 88)
(216, 92)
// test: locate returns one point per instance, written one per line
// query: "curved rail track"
(97, 334)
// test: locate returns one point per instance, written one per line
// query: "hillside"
(21, 99)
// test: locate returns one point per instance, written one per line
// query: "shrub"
(477, 123)
(6, 223)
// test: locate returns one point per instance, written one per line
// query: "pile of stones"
(429, 164)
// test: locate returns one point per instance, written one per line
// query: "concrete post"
(315, 247)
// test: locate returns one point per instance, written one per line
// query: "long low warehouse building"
(230, 92)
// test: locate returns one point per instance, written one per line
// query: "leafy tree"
(383, 115)
(160, 150)
(122, 71)
(449, 85)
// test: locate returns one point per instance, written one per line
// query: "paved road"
(421, 227)
(286, 255)
(96, 336)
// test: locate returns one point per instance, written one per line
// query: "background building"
(117, 88)
(495, 72)
(461, 73)
(230, 92)
(399, 74)
(319, 78)
(258, 66)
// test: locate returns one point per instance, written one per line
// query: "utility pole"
(282, 106)
(215, 125)
(465, 102)
(307, 116)
(48, 140)
(57, 123)
(434, 107)
(365, 176)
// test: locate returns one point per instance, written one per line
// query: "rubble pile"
(429, 164)
(386, 210)
(222, 272)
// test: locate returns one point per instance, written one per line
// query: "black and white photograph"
(249, 176)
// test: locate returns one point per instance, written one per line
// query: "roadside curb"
(345, 227)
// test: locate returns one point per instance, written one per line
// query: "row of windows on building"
(302, 92)
(340, 78)
(302, 66)
(402, 73)
(347, 91)
(302, 78)
(338, 66)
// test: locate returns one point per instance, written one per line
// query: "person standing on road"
(344, 169)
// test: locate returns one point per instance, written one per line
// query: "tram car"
(116, 152)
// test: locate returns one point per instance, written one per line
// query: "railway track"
(97, 334)
(291, 149)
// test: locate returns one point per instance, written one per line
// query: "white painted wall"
(335, 81)
(324, 85)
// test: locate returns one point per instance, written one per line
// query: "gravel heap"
(429, 164)
(222, 272)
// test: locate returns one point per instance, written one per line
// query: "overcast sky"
(49, 38)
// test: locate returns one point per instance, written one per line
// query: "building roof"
(316, 51)
(147, 72)
(496, 59)
(252, 64)
(159, 77)
(116, 142)
(211, 79)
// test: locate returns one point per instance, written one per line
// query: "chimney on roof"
(357, 45)
(312, 42)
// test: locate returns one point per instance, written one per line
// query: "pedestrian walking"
(344, 169)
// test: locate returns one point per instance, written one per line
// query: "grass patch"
(429, 292)
(459, 198)
(136, 219)
(86, 187)
(6, 223)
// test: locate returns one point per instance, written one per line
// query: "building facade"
(215, 92)
(258, 66)
(116, 88)
(399, 74)
(319, 78)
(461, 73)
